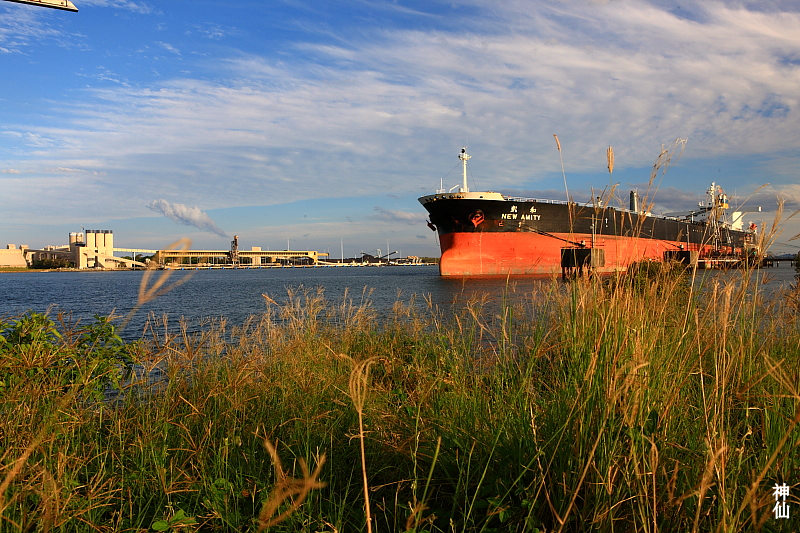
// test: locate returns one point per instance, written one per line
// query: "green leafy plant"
(177, 521)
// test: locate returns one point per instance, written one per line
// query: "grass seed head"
(287, 488)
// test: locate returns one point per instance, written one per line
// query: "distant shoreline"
(11, 270)
(4, 270)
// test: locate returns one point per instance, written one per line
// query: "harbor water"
(236, 295)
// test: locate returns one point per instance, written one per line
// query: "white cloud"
(183, 214)
(396, 216)
(19, 26)
(169, 48)
(385, 109)
(142, 8)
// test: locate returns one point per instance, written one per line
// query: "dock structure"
(253, 257)
(94, 249)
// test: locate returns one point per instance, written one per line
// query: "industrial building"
(13, 257)
(94, 249)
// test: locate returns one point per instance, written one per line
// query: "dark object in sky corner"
(64, 5)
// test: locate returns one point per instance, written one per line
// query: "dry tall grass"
(645, 403)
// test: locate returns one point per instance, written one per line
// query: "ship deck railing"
(588, 204)
(539, 200)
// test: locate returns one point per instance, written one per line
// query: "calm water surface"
(237, 294)
(233, 294)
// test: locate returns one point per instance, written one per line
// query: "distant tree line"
(52, 263)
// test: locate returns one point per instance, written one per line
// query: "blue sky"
(322, 122)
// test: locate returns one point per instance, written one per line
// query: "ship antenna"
(561, 158)
(464, 157)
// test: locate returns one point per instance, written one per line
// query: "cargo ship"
(488, 234)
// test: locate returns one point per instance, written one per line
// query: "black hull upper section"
(464, 215)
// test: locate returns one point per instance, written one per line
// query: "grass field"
(653, 402)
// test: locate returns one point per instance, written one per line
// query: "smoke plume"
(184, 214)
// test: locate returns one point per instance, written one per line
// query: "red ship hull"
(529, 254)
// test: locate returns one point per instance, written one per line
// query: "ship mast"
(464, 157)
